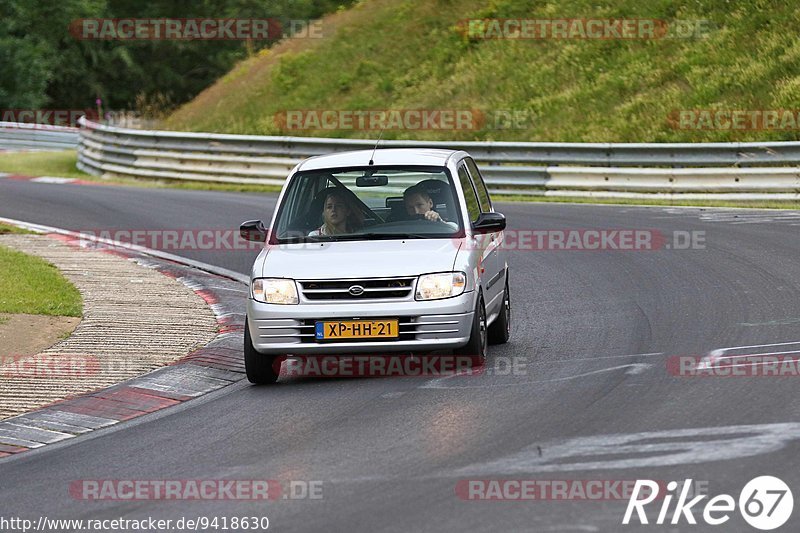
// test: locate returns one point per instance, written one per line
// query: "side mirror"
(489, 223)
(253, 230)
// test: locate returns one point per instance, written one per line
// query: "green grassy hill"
(413, 54)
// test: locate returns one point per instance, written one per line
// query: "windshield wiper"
(297, 240)
(376, 235)
(320, 238)
(359, 236)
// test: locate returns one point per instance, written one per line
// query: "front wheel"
(260, 369)
(476, 347)
(500, 330)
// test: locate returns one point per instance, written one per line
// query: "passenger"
(419, 202)
(338, 215)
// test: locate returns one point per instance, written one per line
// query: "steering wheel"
(416, 217)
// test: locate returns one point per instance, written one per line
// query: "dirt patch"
(23, 335)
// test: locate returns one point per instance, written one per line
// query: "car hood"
(359, 259)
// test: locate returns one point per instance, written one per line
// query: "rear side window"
(480, 186)
(473, 207)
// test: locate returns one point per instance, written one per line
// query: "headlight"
(444, 285)
(274, 291)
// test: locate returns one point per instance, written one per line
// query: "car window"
(377, 203)
(480, 186)
(473, 207)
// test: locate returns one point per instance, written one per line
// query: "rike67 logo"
(765, 503)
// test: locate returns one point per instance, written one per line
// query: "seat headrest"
(441, 194)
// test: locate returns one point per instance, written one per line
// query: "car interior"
(306, 201)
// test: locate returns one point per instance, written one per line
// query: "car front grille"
(302, 330)
(357, 289)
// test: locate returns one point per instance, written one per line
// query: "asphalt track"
(593, 329)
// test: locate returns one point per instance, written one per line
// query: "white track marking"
(603, 357)
(733, 356)
(53, 179)
(647, 449)
(720, 353)
(570, 528)
(737, 216)
(635, 368)
(722, 350)
(777, 322)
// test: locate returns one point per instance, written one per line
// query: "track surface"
(390, 451)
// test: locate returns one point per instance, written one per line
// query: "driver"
(419, 202)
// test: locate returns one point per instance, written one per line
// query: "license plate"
(357, 329)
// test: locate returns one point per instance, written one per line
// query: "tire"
(476, 347)
(260, 368)
(500, 330)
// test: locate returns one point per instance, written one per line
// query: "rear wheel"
(260, 368)
(476, 347)
(500, 330)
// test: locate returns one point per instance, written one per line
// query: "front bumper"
(433, 325)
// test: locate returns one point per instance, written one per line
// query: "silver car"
(392, 251)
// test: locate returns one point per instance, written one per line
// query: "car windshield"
(368, 203)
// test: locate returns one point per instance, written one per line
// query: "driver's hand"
(433, 216)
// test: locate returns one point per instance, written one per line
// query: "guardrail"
(23, 136)
(761, 170)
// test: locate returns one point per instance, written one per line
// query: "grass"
(33, 286)
(60, 163)
(6, 229)
(412, 54)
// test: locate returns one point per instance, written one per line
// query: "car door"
(497, 261)
(483, 244)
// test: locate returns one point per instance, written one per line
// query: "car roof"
(386, 156)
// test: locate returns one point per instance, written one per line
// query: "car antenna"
(371, 161)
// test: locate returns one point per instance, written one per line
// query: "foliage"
(413, 54)
(45, 66)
